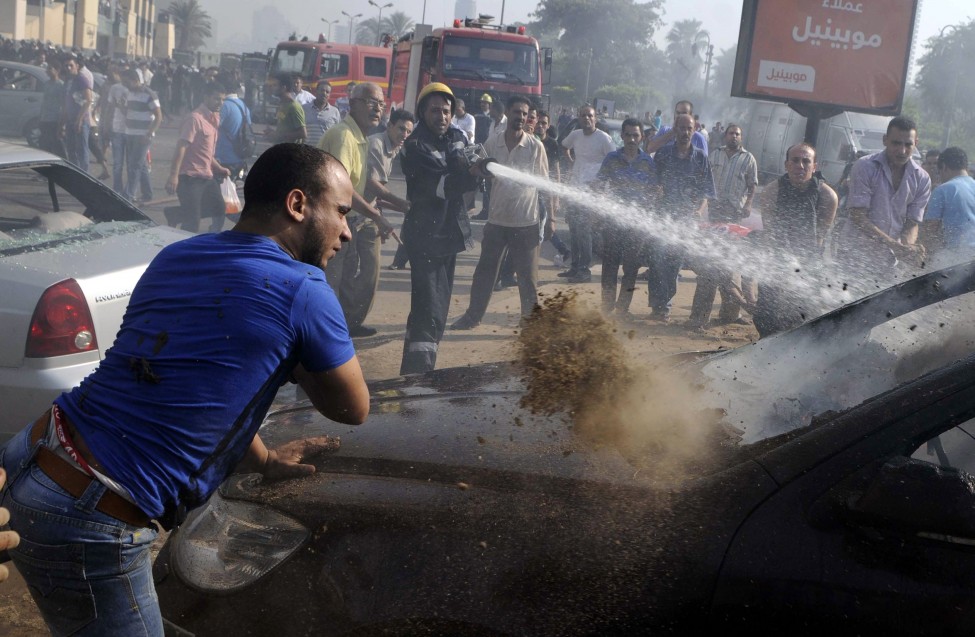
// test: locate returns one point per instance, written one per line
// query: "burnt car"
(835, 491)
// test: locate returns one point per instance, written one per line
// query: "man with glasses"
(347, 142)
(797, 211)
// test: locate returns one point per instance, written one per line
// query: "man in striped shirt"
(143, 116)
(735, 178)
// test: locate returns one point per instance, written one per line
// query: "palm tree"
(193, 24)
(685, 58)
(397, 24)
(369, 30)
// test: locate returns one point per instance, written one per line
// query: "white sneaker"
(559, 260)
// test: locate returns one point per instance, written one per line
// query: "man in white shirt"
(301, 95)
(586, 148)
(512, 224)
(463, 120)
(319, 114)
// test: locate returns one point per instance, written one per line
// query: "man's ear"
(295, 203)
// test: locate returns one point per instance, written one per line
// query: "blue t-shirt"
(697, 139)
(232, 115)
(631, 180)
(214, 327)
(686, 182)
(953, 202)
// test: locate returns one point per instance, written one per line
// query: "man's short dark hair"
(934, 153)
(132, 75)
(284, 79)
(800, 145)
(281, 169)
(400, 115)
(214, 87)
(953, 158)
(902, 123)
(518, 99)
(541, 114)
(629, 122)
(688, 102)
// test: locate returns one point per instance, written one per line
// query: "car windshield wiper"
(471, 72)
(515, 76)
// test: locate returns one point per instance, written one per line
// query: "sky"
(721, 18)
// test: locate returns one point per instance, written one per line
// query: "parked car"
(834, 493)
(21, 91)
(71, 251)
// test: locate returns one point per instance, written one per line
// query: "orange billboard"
(852, 55)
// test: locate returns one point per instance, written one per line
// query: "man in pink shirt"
(195, 173)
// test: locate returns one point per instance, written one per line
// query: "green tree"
(193, 24)
(597, 42)
(398, 24)
(369, 31)
(945, 89)
(685, 53)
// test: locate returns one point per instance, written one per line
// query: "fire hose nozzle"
(483, 165)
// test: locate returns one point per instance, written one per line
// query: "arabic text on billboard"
(831, 51)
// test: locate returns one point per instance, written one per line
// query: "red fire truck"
(472, 58)
(337, 63)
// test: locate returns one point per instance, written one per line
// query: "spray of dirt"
(573, 360)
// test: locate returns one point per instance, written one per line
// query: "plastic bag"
(231, 202)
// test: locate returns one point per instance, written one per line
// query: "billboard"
(848, 55)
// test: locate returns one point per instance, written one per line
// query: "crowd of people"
(297, 276)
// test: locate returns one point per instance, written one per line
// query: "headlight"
(228, 545)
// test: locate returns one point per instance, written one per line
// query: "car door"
(20, 99)
(877, 535)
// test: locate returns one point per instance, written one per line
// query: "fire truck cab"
(337, 63)
(473, 57)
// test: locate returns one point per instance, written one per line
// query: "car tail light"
(61, 323)
(227, 545)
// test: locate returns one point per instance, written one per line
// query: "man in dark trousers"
(436, 227)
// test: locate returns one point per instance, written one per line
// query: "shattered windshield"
(48, 204)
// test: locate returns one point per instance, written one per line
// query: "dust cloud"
(574, 360)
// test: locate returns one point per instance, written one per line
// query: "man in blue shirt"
(950, 217)
(630, 174)
(233, 114)
(666, 136)
(685, 183)
(214, 327)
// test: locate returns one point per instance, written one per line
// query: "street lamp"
(703, 36)
(379, 20)
(330, 23)
(351, 22)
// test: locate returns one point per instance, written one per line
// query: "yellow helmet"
(435, 87)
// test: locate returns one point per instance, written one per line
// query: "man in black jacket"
(436, 227)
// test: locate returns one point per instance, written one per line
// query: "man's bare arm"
(656, 143)
(339, 394)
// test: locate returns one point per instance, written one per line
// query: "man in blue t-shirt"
(666, 135)
(950, 217)
(214, 327)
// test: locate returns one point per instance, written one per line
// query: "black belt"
(75, 482)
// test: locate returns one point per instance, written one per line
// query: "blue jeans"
(76, 144)
(118, 162)
(89, 573)
(137, 167)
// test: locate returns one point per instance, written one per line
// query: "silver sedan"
(71, 251)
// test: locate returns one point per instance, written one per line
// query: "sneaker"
(481, 216)
(465, 322)
(580, 277)
(567, 273)
(659, 316)
(360, 331)
(696, 325)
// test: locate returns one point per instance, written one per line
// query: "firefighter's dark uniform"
(435, 229)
